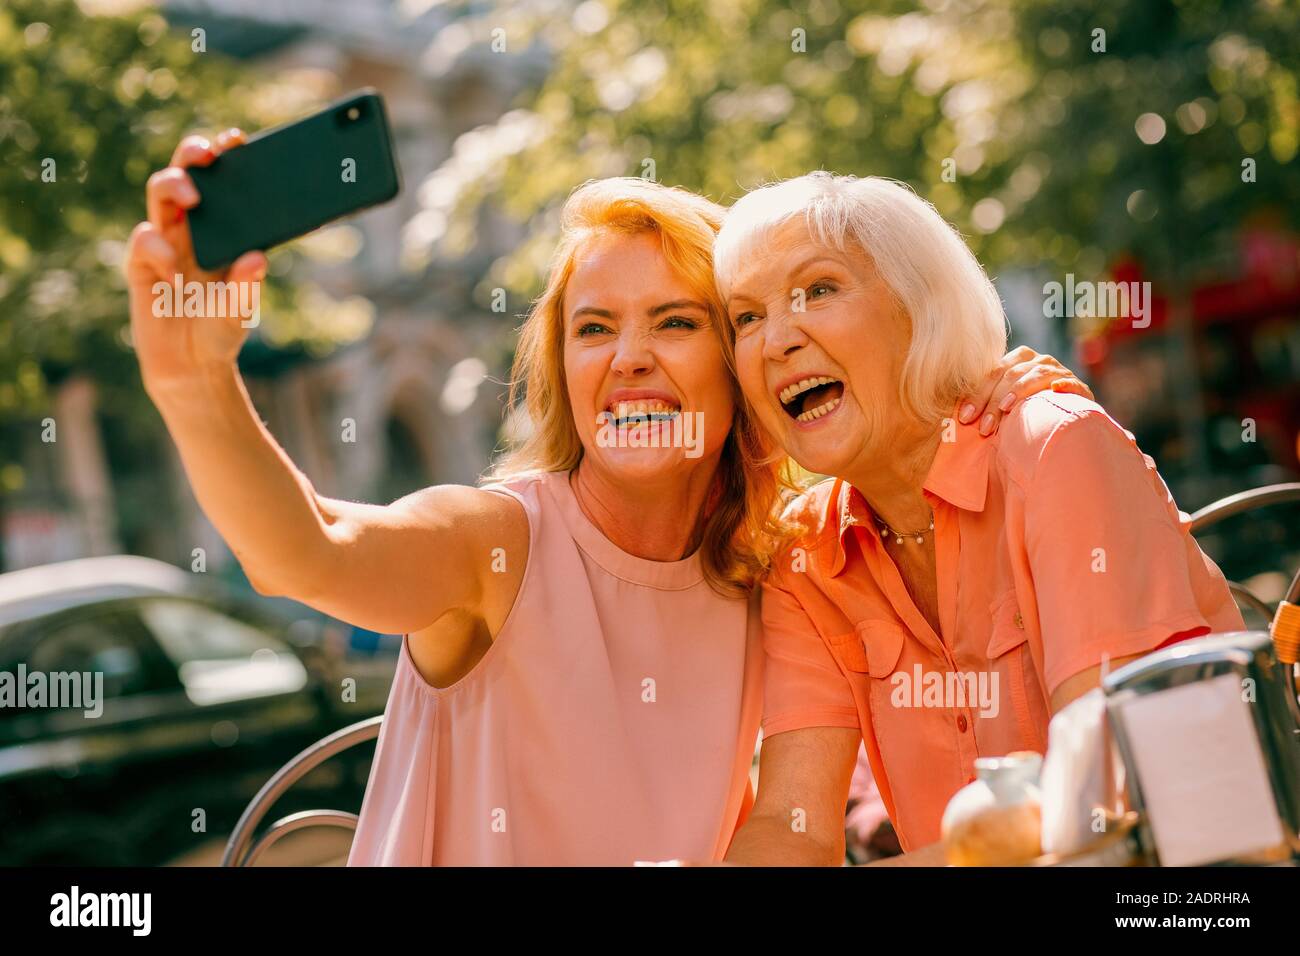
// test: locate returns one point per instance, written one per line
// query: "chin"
(645, 465)
(821, 454)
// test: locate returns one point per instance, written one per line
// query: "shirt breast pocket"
(871, 654)
(1009, 658)
(872, 648)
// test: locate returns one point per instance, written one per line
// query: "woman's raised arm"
(394, 568)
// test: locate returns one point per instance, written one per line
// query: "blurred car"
(204, 696)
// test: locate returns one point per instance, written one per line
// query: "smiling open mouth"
(811, 398)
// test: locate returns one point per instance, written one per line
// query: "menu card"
(1202, 772)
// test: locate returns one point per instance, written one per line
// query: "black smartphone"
(286, 181)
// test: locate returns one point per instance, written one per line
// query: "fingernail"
(986, 424)
(967, 413)
(1007, 401)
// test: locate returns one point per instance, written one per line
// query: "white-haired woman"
(578, 675)
(948, 594)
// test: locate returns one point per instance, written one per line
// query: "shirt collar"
(958, 475)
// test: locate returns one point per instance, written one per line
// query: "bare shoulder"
(473, 529)
(474, 512)
(483, 535)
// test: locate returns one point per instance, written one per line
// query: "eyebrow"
(678, 304)
(814, 260)
(657, 310)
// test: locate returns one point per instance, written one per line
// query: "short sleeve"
(1113, 564)
(802, 685)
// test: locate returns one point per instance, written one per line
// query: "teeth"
(814, 413)
(644, 409)
(790, 392)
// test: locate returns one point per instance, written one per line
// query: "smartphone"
(285, 182)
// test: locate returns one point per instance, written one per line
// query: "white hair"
(959, 329)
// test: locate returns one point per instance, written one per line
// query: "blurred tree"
(1041, 139)
(719, 97)
(1151, 128)
(89, 107)
(1156, 131)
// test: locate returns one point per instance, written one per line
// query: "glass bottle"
(997, 819)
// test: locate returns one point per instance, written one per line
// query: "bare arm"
(803, 787)
(394, 568)
(1072, 688)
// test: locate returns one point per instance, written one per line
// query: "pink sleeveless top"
(612, 720)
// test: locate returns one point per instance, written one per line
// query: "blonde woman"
(579, 679)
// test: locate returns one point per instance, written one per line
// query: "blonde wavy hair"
(739, 524)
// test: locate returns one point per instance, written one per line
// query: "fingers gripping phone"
(287, 181)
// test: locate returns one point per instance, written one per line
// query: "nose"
(632, 356)
(783, 335)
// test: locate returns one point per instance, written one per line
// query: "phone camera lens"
(354, 113)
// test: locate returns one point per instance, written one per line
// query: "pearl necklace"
(886, 531)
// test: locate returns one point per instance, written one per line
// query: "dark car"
(203, 696)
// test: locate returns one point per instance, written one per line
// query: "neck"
(657, 519)
(892, 482)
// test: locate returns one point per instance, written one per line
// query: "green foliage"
(95, 104)
(1036, 130)
(1220, 77)
(90, 106)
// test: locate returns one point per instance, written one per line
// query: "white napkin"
(1075, 781)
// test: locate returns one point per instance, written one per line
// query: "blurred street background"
(1132, 140)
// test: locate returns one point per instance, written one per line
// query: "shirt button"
(961, 723)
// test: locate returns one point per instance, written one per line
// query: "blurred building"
(422, 388)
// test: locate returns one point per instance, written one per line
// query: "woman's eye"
(590, 328)
(743, 319)
(678, 322)
(818, 289)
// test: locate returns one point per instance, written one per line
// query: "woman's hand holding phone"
(395, 568)
(173, 344)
